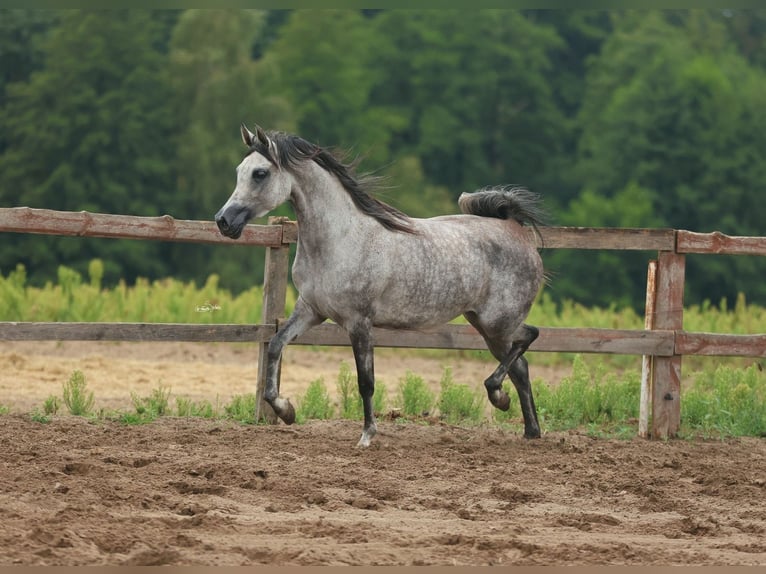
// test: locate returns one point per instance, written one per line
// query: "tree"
(217, 86)
(671, 107)
(90, 130)
(471, 95)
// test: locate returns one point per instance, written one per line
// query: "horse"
(363, 263)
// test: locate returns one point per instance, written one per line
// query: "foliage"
(164, 300)
(726, 402)
(458, 403)
(241, 408)
(39, 416)
(315, 403)
(153, 406)
(51, 405)
(78, 400)
(185, 407)
(415, 397)
(618, 118)
(588, 395)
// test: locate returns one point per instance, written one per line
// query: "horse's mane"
(293, 149)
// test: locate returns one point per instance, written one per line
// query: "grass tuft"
(415, 396)
(458, 403)
(76, 397)
(241, 408)
(315, 403)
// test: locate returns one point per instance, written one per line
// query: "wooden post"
(666, 374)
(274, 294)
(647, 360)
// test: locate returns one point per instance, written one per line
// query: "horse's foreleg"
(301, 320)
(361, 342)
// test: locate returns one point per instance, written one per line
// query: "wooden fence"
(663, 343)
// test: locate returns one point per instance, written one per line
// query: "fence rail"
(664, 341)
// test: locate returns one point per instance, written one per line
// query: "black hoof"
(288, 415)
(500, 400)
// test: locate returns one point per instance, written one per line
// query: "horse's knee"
(526, 335)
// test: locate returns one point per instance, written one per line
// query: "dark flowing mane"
(293, 149)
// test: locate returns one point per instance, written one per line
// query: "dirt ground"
(199, 492)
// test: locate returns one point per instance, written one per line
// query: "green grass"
(459, 403)
(241, 409)
(315, 403)
(185, 407)
(415, 398)
(726, 402)
(590, 395)
(721, 402)
(73, 298)
(78, 298)
(78, 400)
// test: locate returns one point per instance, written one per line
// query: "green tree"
(671, 107)
(91, 130)
(470, 94)
(217, 86)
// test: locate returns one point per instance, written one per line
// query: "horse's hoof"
(500, 400)
(367, 435)
(284, 410)
(532, 434)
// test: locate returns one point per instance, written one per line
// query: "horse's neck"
(324, 209)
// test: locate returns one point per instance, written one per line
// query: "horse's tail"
(504, 203)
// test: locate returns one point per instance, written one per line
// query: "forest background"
(617, 118)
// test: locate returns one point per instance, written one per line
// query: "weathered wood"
(274, 293)
(647, 360)
(666, 372)
(721, 345)
(717, 242)
(72, 331)
(605, 238)
(164, 228)
(614, 341)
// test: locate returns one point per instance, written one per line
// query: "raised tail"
(504, 203)
(516, 203)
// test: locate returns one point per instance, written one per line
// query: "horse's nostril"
(223, 225)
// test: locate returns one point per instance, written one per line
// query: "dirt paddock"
(200, 492)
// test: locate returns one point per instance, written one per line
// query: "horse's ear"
(248, 137)
(268, 143)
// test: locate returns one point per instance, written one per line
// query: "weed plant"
(51, 405)
(458, 403)
(315, 403)
(415, 397)
(78, 400)
(726, 402)
(185, 407)
(590, 395)
(241, 408)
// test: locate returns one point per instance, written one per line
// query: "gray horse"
(364, 264)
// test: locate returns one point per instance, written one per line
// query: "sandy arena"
(198, 492)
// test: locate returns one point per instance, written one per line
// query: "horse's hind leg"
(519, 373)
(512, 363)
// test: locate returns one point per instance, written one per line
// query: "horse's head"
(261, 184)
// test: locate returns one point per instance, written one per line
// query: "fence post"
(647, 361)
(666, 374)
(274, 293)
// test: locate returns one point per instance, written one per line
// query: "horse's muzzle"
(232, 220)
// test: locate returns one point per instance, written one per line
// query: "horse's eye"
(260, 174)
